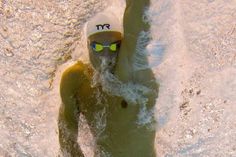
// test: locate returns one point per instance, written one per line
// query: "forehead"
(105, 37)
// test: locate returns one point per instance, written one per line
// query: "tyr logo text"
(100, 26)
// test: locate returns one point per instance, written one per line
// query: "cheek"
(112, 61)
(114, 54)
(95, 60)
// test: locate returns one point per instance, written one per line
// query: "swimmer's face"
(103, 49)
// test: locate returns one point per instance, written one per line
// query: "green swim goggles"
(98, 47)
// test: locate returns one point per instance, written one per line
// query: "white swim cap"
(103, 23)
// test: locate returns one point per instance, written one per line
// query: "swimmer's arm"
(68, 116)
(133, 25)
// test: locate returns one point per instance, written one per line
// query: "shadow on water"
(118, 108)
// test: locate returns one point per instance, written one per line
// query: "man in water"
(117, 105)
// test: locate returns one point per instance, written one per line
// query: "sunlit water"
(192, 53)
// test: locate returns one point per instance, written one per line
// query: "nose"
(106, 52)
(108, 55)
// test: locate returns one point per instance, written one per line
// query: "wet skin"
(79, 97)
(121, 137)
(104, 38)
(124, 69)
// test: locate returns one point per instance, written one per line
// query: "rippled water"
(192, 52)
(35, 38)
(196, 103)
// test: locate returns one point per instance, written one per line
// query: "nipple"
(124, 104)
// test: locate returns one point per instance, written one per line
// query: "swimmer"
(96, 88)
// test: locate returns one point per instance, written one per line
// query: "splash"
(140, 61)
(135, 94)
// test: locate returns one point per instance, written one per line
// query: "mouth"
(107, 64)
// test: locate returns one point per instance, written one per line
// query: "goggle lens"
(113, 47)
(99, 47)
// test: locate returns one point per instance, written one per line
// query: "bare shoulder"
(74, 75)
(75, 69)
